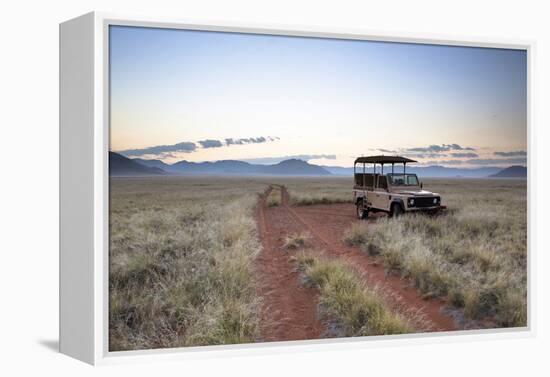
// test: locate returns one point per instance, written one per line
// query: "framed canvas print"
(226, 188)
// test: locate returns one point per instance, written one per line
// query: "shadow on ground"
(52, 345)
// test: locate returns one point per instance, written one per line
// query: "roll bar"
(381, 160)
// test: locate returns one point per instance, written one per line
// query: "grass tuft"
(344, 299)
(274, 199)
(296, 241)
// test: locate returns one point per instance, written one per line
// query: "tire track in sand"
(288, 309)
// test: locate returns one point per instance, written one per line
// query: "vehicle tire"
(362, 213)
(396, 210)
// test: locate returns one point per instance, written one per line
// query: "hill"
(153, 163)
(122, 166)
(216, 167)
(234, 167)
(515, 171)
(294, 167)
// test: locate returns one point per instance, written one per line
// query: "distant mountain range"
(512, 172)
(426, 171)
(123, 166)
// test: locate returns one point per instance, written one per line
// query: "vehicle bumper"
(424, 209)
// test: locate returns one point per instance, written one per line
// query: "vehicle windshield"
(403, 179)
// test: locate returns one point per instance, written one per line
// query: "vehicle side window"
(382, 182)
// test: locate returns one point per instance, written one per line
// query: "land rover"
(392, 192)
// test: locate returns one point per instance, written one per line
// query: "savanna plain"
(226, 260)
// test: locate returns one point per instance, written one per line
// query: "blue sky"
(195, 95)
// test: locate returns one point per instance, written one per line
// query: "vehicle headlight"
(435, 200)
(411, 202)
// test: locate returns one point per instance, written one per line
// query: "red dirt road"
(289, 309)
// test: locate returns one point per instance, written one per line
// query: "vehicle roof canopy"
(383, 160)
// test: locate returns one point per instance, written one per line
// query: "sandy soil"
(289, 309)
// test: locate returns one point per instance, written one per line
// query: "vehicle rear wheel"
(362, 212)
(396, 210)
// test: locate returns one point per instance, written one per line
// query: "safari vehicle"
(393, 193)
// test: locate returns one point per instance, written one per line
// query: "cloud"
(163, 151)
(443, 162)
(185, 147)
(480, 162)
(432, 151)
(511, 154)
(498, 161)
(465, 155)
(424, 155)
(209, 143)
(439, 148)
(250, 140)
(304, 157)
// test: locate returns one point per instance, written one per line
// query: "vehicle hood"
(416, 192)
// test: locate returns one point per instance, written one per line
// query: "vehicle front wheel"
(396, 210)
(362, 212)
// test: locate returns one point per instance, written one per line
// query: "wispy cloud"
(209, 143)
(423, 155)
(386, 150)
(251, 140)
(499, 161)
(479, 162)
(304, 157)
(430, 151)
(443, 162)
(433, 151)
(439, 148)
(163, 151)
(511, 154)
(183, 147)
(464, 155)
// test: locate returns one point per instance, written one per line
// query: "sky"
(207, 96)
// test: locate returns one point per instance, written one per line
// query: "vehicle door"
(380, 197)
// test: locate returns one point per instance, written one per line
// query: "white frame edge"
(76, 213)
(84, 116)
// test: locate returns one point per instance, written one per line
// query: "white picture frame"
(84, 195)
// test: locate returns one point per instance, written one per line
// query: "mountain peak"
(293, 161)
(514, 171)
(120, 165)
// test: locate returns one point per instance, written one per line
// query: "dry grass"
(295, 241)
(346, 301)
(475, 254)
(309, 191)
(182, 248)
(181, 253)
(274, 199)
